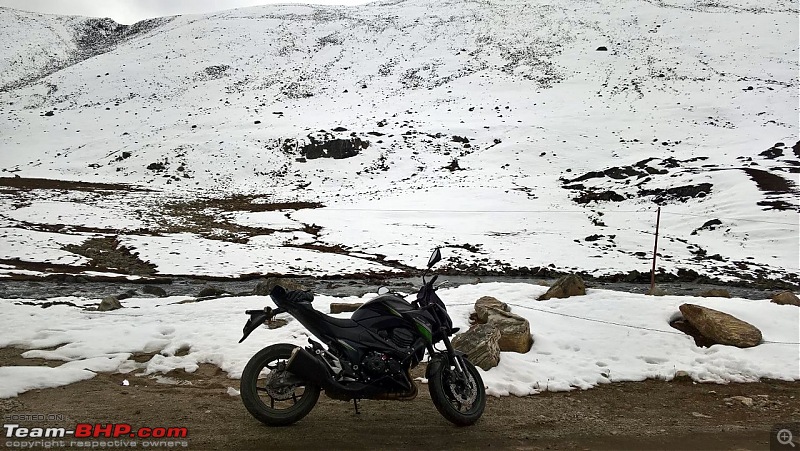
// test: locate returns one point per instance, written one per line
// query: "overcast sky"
(131, 11)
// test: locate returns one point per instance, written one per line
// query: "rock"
(699, 340)
(682, 375)
(481, 344)
(341, 307)
(700, 415)
(276, 323)
(483, 304)
(334, 148)
(602, 48)
(126, 295)
(742, 399)
(109, 303)
(265, 286)
(515, 331)
(721, 327)
(564, 287)
(786, 298)
(716, 293)
(208, 291)
(154, 290)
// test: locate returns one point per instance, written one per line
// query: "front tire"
(461, 403)
(269, 401)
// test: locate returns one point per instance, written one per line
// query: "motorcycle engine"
(403, 338)
(377, 364)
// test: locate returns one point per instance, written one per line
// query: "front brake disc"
(464, 394)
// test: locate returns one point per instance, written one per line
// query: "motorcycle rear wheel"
(268, 402)
(461, 403)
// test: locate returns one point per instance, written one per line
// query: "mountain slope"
(522, 134)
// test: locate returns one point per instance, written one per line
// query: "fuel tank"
(384, 312)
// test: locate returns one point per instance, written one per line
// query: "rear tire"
(270, 404)
(462, 404)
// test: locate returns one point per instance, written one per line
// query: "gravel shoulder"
(631, 415)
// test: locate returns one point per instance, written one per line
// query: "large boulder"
(481, 344)
(786, 298)
(341, 307)
(721, 327)
(716, 293)
(482, 306)
(210, 291)
(684, 326)
(264, 287)
(564, 287)
(109, 303)
(154, 290)
(515, 331)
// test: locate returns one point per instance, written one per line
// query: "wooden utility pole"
(655, 251)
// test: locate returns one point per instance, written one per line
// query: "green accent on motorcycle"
(394, 312)
(346, 345)
(424, 331)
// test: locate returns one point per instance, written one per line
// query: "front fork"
(456, 358)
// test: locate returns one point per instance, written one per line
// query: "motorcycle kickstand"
(355, 404)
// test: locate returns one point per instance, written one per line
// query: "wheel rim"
(272, 388)
(462, 395)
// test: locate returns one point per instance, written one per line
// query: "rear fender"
(257, 318)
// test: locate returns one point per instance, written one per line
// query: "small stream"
(181, 286)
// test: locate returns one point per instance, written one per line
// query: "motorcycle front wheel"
(461, 402)
(266, 393)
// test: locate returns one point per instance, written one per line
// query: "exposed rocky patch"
(331, 147)
(632, 180)
(92, 37)
(28, 184)
(711, 224)
(202, 216)
(108, 254)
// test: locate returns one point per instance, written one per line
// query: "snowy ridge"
(444, 117)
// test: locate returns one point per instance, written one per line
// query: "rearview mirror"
(435, 258)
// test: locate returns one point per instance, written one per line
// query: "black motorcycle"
(368, 356)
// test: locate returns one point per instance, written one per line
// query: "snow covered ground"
(579, 342)
(311, 140)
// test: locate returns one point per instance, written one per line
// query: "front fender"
(437, 362)
(435, 365)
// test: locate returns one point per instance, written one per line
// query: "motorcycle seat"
(341, 323)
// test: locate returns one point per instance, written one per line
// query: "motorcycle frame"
(354, 340)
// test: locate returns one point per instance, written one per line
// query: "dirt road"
(631, 415)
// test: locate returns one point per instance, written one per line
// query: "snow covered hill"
(337, 140)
